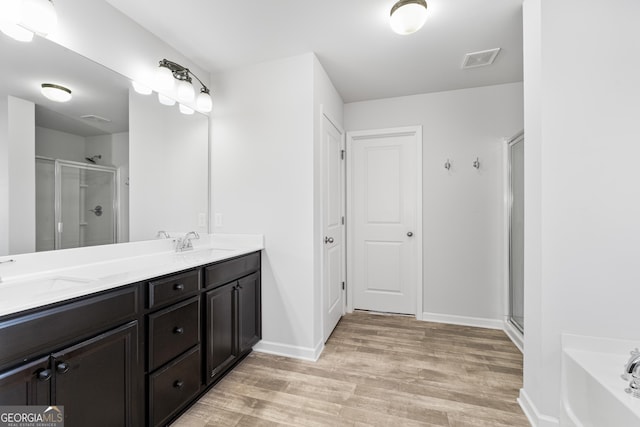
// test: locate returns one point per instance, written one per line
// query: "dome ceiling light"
(408, 16)
(55, 92)
(21, 19)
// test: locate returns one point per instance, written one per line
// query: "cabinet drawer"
(173, 330)
(32, 335)
(226, 271)
(172, 387)
(173, 288)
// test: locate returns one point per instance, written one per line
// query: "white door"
(384, 218)
(333, 228)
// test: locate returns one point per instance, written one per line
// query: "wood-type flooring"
(375, 370)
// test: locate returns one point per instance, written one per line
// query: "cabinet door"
(29, 384)
(249, 312)
(220, 329)
(96, 379)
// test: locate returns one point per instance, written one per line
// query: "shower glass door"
(516, 232)
(85, 205)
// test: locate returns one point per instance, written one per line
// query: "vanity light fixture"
(408, 16)
(165, 100)
(55, 92)
(141, 89)
(186, 110)
(20, 19)
(185, 89)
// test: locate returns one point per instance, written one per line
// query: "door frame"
(353, 137)
(323, 115)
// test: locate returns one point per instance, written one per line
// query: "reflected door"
(516, 233)
(86, 205)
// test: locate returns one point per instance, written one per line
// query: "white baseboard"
(295, 352)
(536, 419)
(514, 335)
(478, 322)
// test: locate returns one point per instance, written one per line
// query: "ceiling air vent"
(480, 59)
(94, 118)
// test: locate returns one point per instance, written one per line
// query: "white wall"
(169, 168)
(584, 194)
(22, 176)
(263, 181)
(59, 145)
(463, 207)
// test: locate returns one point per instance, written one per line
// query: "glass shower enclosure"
(516, 231)
(76, 204)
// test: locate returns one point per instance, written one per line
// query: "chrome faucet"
(185, 243)
(632, 365)
(632, 374)
(162, 235)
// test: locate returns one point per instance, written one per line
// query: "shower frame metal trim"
(519, 137)
(58, 191)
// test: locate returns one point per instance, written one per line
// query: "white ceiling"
(351, 38)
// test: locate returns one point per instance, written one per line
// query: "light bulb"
(140, 88)
(165, 100)
(55, 92)
(164, 79)
(204, 103)
(185, 91)
(38, 16)
(186, 110)
(9, 20)
(409, 17)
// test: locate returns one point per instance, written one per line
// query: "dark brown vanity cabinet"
(174, 358)
(233, 312)
(95, 369)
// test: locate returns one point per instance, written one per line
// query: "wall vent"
(94, 118)
(480, 59)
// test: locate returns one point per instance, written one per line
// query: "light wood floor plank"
(375, 370)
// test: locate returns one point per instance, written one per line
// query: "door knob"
(410, 234)
(328, 240)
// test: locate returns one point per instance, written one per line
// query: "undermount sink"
(593, 392)
(63, 282)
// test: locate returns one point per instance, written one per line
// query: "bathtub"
(593, 392)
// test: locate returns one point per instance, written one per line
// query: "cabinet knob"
(62, 367)
(43, 375)
(178, 287)
(410, 234)
(178, 331)
(178, 384)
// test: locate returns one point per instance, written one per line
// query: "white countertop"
(39, 279)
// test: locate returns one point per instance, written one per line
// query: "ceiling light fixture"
(55, 92)
(20, 19)
(408, 16)
(167, 74)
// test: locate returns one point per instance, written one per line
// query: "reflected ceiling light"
(141, 89)
(185, 89)
(186, 110)
(55, 92)
(408, 16)
(20, 19)
(165, 100)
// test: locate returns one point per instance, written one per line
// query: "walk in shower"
(76, 204)
(516, 231)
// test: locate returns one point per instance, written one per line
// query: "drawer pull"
(178, 287)
(178, 331)
(178, 384)
(62, 368)
(43, 375)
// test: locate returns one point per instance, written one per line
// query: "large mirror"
(108, 166)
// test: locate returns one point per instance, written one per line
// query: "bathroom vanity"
(136, 353)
